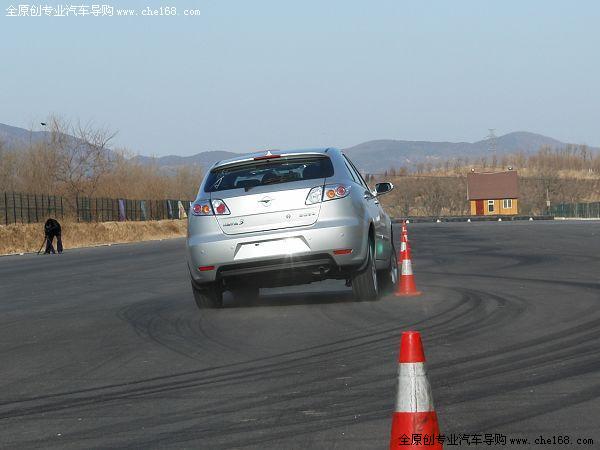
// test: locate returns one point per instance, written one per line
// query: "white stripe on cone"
(406, 267)
(402, 246)
(414, 391)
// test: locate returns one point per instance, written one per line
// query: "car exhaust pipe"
(321, 271)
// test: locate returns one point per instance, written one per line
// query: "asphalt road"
(104, 347)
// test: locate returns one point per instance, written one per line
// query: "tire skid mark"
(595, 285)
(278, 411)
(243, 375)
(269, 364)
(525, 350)
(285, 424)
(154, 322)
(587, 394)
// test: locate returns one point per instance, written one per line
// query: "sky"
(246, 75)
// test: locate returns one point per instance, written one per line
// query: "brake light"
(340, 191)
(267, 155)
(335, 191)
(201, 208)
(205, 208)
(206, 268)
(220, 208)
(327, 192)
(258, 158)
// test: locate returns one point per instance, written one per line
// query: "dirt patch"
(24, 238)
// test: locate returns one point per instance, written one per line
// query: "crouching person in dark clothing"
(52, 230)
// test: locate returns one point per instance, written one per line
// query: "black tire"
(364, 284)
(246, 295)
(389, 277)
(209, 296)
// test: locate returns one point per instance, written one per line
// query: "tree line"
(570, 174)
(76, 160)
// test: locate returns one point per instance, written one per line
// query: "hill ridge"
(371, 156)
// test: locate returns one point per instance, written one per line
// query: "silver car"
(279, 218)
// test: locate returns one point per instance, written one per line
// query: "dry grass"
(23, 238)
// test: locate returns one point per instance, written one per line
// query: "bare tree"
(433, 196)
(407, 194)
(82, 155)
(494, 162)
(37, 169)
(7, 169)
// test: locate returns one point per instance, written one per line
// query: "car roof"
(295, 152)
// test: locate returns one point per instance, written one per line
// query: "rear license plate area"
(275, 247)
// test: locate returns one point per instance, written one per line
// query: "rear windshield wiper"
(217, 183)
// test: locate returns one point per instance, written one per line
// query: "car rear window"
(271, 171)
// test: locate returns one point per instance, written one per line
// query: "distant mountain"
(14, 137)
(171, 162)
(372, 156)
(377, 156)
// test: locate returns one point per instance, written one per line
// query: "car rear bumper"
(282, 271)
(315, 259)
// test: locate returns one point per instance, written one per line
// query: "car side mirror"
(383, 188)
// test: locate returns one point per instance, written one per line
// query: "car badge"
(266, 201)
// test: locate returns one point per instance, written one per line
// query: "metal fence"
(110, 209)
(27, 208)
(18, 207)
(577, 210)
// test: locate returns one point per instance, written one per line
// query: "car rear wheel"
(208, 296)
(389, 276)
(364, 284)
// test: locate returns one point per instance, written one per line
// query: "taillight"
(314, 196)
(220, 208)
(335, 191)
(327, 192)
(208, 208)
(201, 208)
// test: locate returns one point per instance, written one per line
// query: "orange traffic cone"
(407, 286)
(415, 423)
